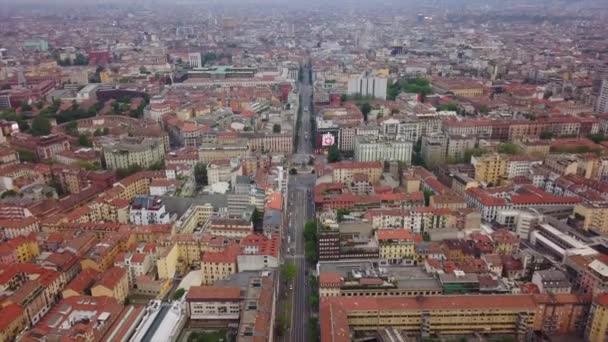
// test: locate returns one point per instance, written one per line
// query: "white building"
(214, 303)
(519, 221)
(601, 105)
(136, 264)
(551, 281)
(148, 210)
(195, 59)
(369, 149)
(367, 85)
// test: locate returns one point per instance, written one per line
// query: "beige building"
(219, 265)
(343, 171)
(113, 283)
(167, 262)
(535, 148)
(592, 216)
(597, 323)
(396, 244)
(143, 152)
(490, 168)
(210, 152)
(277, 143)
(214, 303)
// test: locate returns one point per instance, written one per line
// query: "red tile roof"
(397, 234)
(212, 293)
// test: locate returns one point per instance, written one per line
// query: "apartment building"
(344, 171)
(592, 216)
(373, 149)
(490, 168)
(427, 315)
(113, 283)
(597, 324)
(219, 304)
(397, 244)
(367, 85)
(124, 153)
(148, 210)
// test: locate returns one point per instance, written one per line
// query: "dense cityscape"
(303, 171)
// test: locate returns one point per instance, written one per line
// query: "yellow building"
(219, 265)
(343, 171)
(113, 283)
(592, 216)
(427, 315)
(490, 168)
(114, 210)
(13, 320)
(127, 152)
(397, 244)
(195, 216)
(19, 250)
(534, 148)
(411, 184)
(101, 256)
(167, 262)
(211, 152)
(562, 164)
(597, 323)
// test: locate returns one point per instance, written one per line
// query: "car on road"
(291, 286)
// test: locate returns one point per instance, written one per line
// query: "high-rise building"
(373, 149)
(601, 104)
(597, 324)
(195, 59)
(367, 85)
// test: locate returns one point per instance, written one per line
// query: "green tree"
(288, 271)
(26, 156)
(473, 152)
(83, 140)
(81, 60)
(451, 107)
(41, 125)
(427, 197)
(72, 128)
(313, 329)
(310, 244)
(143, 70)
(122, 173)
(257, 217)
(25, 107)
(200, 174)
(365, 109)
(8, 193)
(178, 294)
(333, 154)
(597, 137)
(276, 128)
(340, 213)
(546, 135)
(508, 148)
(313, 300)
(281, 324)
(293, 171)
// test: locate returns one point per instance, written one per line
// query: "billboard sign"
(327, 140)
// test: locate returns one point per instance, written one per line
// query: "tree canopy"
(200, 174)
(508, 148)
(288, 271)
(333, 154)
(41, 125)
